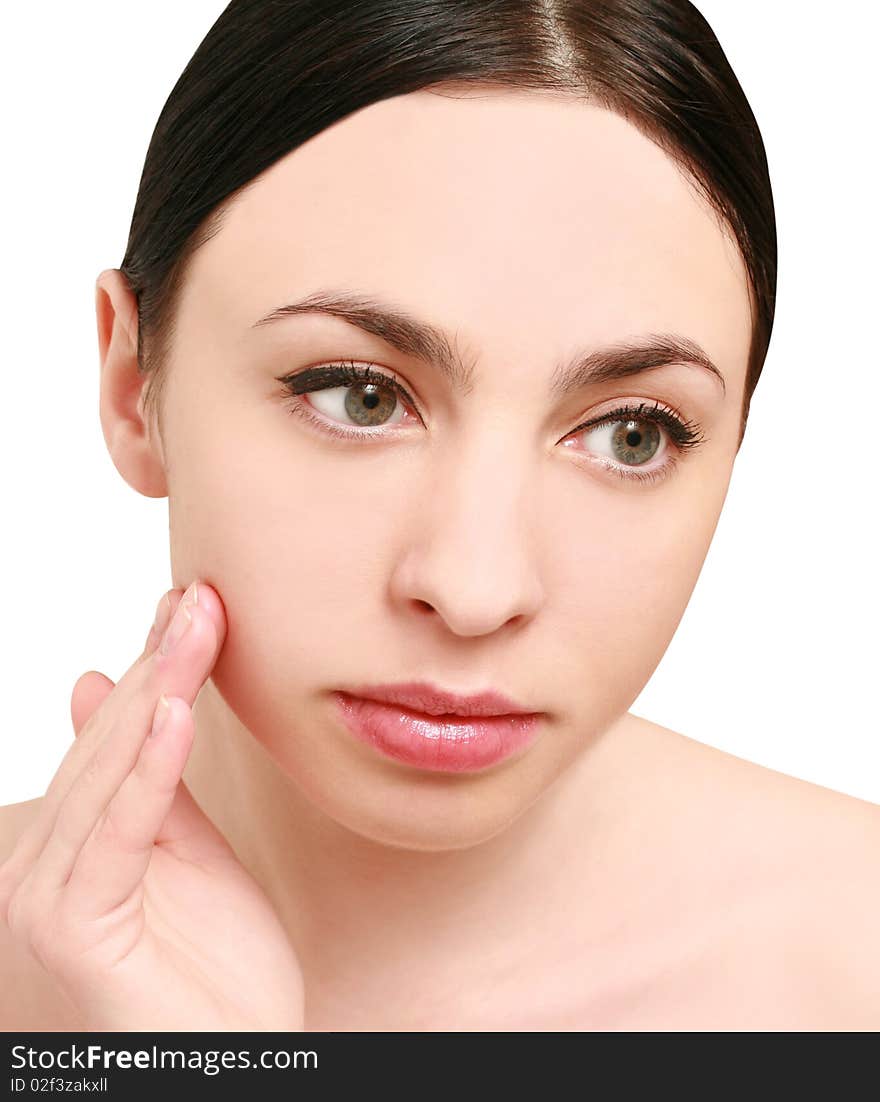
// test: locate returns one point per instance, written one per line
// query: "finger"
(126, 708)
(115, 857)
(179, 673)
(140, 682)
(89, 694)
(93, 687)
(164, 611)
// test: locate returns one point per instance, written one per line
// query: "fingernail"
(192, 594)
(160, 716)
(181, 621)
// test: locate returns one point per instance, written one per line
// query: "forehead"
(522, 222)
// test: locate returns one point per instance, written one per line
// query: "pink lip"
(436, 741)
(422, 696)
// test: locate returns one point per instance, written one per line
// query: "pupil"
(633, 438)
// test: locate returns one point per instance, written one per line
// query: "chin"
(435, 833)
(426, 812)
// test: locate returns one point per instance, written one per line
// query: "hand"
(122, 888)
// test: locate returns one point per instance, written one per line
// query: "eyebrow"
(415, 337)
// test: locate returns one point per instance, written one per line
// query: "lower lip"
(449, 744)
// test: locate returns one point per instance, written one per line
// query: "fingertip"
(87, 695)
(211, 603)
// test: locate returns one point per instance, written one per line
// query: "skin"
(603, 877)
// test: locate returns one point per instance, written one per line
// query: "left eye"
(352, 398)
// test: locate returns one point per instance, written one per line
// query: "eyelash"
(683, 433)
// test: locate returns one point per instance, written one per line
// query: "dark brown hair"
(270, 74)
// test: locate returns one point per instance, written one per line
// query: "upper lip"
(422, 696)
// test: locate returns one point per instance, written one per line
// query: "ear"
(136, 451)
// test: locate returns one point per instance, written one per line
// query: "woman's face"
(471, 538)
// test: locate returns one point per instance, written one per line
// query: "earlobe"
(135, 447)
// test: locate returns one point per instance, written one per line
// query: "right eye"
(368, 405)
(347, 395)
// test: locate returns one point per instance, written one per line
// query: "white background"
(776, 657)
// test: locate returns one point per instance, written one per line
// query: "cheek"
(287, 539)
(630, 581)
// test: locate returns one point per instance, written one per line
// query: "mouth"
(441, 740)
(432, 700)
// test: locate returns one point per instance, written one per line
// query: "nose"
(468, 554)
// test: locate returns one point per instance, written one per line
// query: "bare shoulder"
(835, 913)
(811, 829)
(803, 861)
(29, 998)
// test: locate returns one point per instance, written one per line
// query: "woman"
(439, 330)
